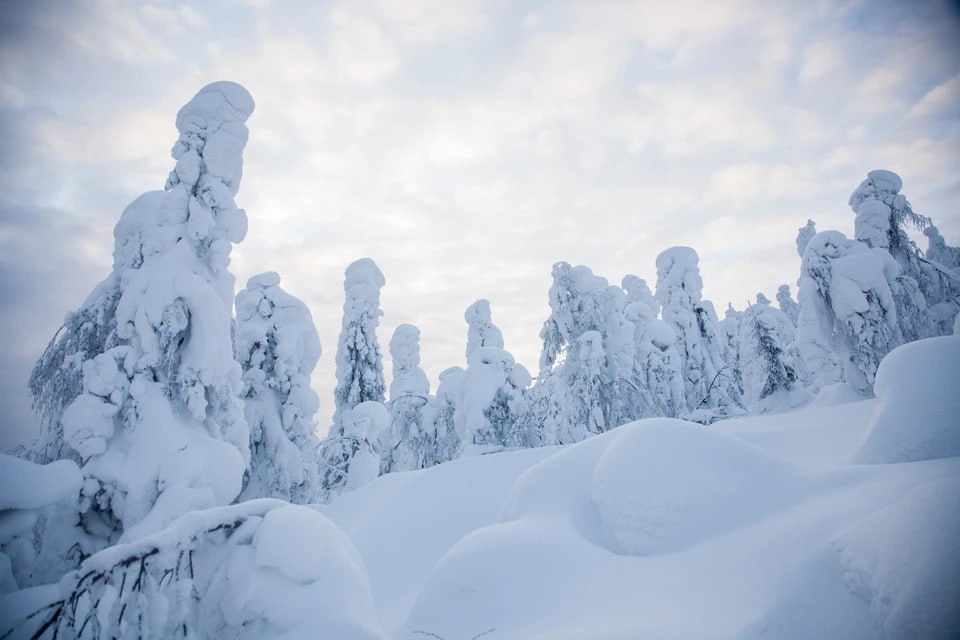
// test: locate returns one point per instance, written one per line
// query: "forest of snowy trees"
(165, 393)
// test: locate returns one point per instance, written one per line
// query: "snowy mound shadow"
(663, 485)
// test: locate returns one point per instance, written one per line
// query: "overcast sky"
(466, 146)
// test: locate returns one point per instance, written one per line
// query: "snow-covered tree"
(352, 458)
(710, 386)
(411, 439)
(788, 305)
(730, 326)
(939, 251)
(482, 332)
(359, 362)
(883, 217)
(444, 411)
(847, 309)
(489, 401)
(142, 384)
(804, 234)
(249, 570)
(278, 348)
(770, 377)
(657, 376)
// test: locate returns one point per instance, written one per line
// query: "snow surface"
(755, 527)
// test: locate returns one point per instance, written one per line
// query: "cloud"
(467, 146)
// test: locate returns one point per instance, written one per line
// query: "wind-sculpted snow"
(664, 485)
(917, 416)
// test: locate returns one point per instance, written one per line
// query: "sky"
(467, 146)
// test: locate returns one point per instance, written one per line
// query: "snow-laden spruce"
(710, 386)
(939, 251)
(444, 413)
(359, 374)
(848, 316)
(411, 440)
(488, 402)
(144, 372)
(657, 380)
(278, 348)
(883, 218)
(770, 377)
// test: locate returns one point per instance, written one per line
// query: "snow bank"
(917, 416)
(663, 485)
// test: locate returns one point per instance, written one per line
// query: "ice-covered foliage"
(489, 401)
(33, 496)
(157, 419)
(352, 458)
(444, 412)
(917, 415)
(262, 568)
(770, 377)
(710, 386)
(787, 304)
(482, 332)
(804, 234)
(411, 440)
(359, 363)
(278, 347)
(848, 316)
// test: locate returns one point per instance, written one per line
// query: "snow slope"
(757, 527)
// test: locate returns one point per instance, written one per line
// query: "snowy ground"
(771, 526)
(753, 528)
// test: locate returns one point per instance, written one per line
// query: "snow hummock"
(663, 485)
(917, 415)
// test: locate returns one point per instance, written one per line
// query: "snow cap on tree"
(939, 251)
(482, 331)
(408, 377)
(804, 234)
(762, 299)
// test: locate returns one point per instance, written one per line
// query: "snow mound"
(905, 560)
(25, 485)
(834, 394)
(664, 485)
(917, 416)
